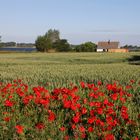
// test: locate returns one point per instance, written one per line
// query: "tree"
(78, 48)
(89, 47)
(41, 44)
(0, 42)
(62, 45)
(9, 44)
(45, 42)
(53, 35)
(86, 47)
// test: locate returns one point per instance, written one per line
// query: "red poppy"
(84, 110)
(73, 126)
(128, 87)
(76, 119)
(109, 87)
(85, 100)
(100, 111)
(19, 129)
(7, 119)
(114, 96)
(62, 128)
(90, 129)
(82, 84)
(67, 104)
(124, 113)
(40, 126)
(44, 102)
(123, 100)
(66, 138)
(8, 103)
(132, 81)
(82, 129)
(83, 135)
(105, 101)
(51, 116)
(20, 92)
(91, 120)
(73, 107)
(136, 138)
(109, 137)
(99, 83)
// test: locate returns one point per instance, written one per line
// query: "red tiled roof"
(108, 45)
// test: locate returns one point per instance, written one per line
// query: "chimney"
(108, 41)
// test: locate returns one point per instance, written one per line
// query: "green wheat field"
(62, 68)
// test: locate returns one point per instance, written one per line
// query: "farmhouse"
(110, 47)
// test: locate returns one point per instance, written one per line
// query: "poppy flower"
(76, 119)
(51, 116)
(90, 129)
(7, 119)
(62, 128)
(40, 126)
(84, 110)
(19, 129)
(82, 129)
(82, 84)
(8, 103)
(109, 137)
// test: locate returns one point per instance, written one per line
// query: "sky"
(77, 20)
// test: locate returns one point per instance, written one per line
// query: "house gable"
(108, 45)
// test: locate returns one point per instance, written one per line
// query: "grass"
(59, 67)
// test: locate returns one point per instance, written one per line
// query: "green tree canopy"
(0, 42)
(53, 35)
(41, 44)
(45, 42)
(62, 45)
(86, 47)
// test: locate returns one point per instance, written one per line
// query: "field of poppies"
(101, 111)
(90, 96)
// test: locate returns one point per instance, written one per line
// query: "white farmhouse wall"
(99, 50)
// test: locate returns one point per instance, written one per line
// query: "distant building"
(110, 46)
(105, 46)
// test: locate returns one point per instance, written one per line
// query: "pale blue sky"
(77, 20)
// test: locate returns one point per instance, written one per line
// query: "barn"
(110, 46)
(106, 46)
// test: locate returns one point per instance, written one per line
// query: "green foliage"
(0, 42)
(53, 35)
(86, 47)
(51, 40)
(45, 42)
(130, 46)
(42, 44)
(62, 45)
(8, 44)
(0, 45)
(26, 45)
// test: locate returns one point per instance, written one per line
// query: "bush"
(86, 47)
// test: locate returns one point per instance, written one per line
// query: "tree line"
(14, 44)
(130, 47)
(51, 41)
